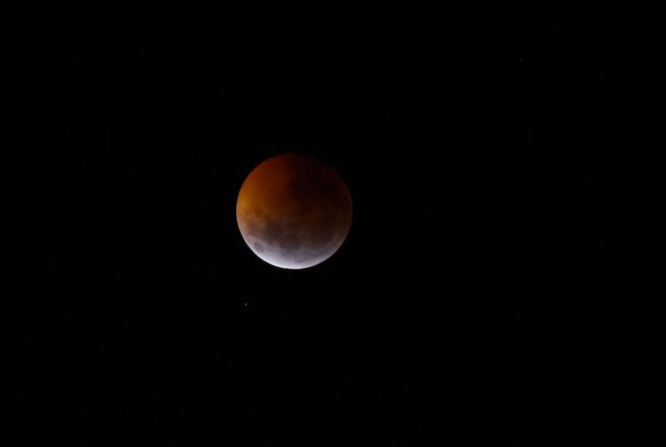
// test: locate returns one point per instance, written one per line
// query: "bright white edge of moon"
(276, 257)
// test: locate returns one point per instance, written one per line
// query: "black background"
(495, 288)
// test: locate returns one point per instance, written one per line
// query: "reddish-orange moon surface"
(294, 211)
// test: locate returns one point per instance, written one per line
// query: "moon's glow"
(294, 211)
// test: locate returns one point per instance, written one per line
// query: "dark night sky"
(495, 288)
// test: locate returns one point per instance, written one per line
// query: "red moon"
(294, 211)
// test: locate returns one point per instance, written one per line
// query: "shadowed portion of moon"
(294, 211)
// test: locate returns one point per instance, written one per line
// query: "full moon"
(294, 211)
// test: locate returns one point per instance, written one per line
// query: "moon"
(294, 211)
